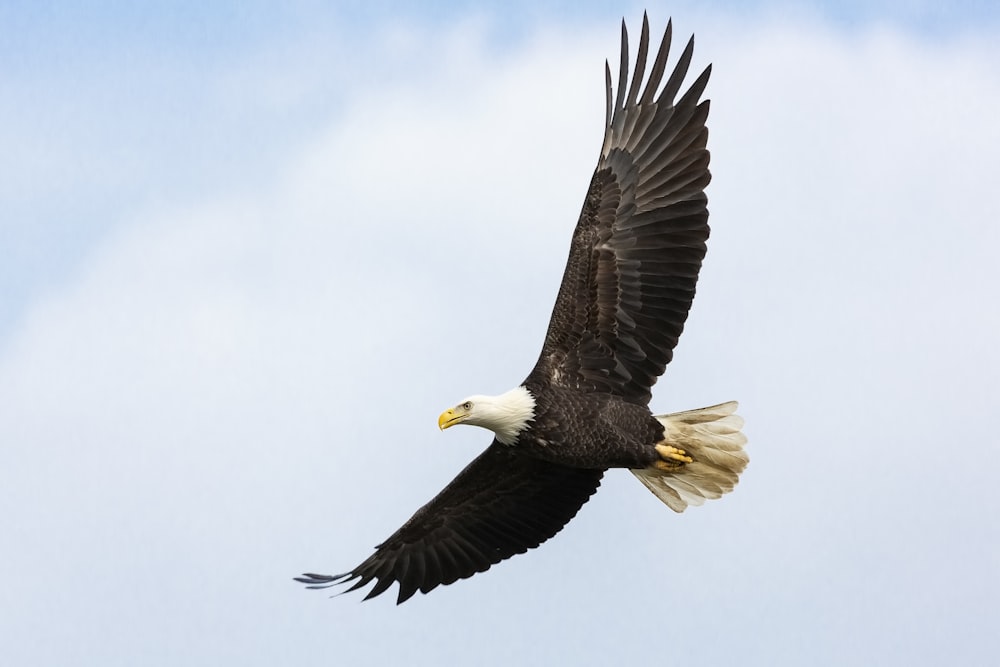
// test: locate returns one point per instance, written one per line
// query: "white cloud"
(238, 389)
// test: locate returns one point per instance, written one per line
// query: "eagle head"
(506, 415)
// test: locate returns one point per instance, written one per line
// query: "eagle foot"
(671, 458)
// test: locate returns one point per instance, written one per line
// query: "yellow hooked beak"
(450, 417)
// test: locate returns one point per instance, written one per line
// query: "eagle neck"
(511, 414)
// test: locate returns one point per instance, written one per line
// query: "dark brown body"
(589, 430)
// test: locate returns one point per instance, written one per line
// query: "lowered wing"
(502, 504)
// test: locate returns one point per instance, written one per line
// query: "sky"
(250, 252)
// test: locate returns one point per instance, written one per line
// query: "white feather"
(506, 415)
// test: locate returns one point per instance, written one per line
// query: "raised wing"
(502, 504)
(638, 246)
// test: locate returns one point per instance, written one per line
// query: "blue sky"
(229, 236)
(110, 105)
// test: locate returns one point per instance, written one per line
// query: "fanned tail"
(711, 459)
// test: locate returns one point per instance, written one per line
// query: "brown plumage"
(625, 295)
(637, 248)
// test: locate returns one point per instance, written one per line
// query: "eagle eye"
(467, 406)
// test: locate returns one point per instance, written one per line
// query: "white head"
(506, 415)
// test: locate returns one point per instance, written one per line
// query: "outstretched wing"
(502, 504)
(640, 240)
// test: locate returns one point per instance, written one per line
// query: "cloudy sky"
(249, 254)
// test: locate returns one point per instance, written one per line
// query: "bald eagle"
(625, 295)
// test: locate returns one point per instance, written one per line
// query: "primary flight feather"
(625, 295)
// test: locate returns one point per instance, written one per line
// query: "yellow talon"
(673, 456)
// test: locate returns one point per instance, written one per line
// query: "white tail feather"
(712, 438)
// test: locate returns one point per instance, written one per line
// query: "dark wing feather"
(638, 246)
(502, 504)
